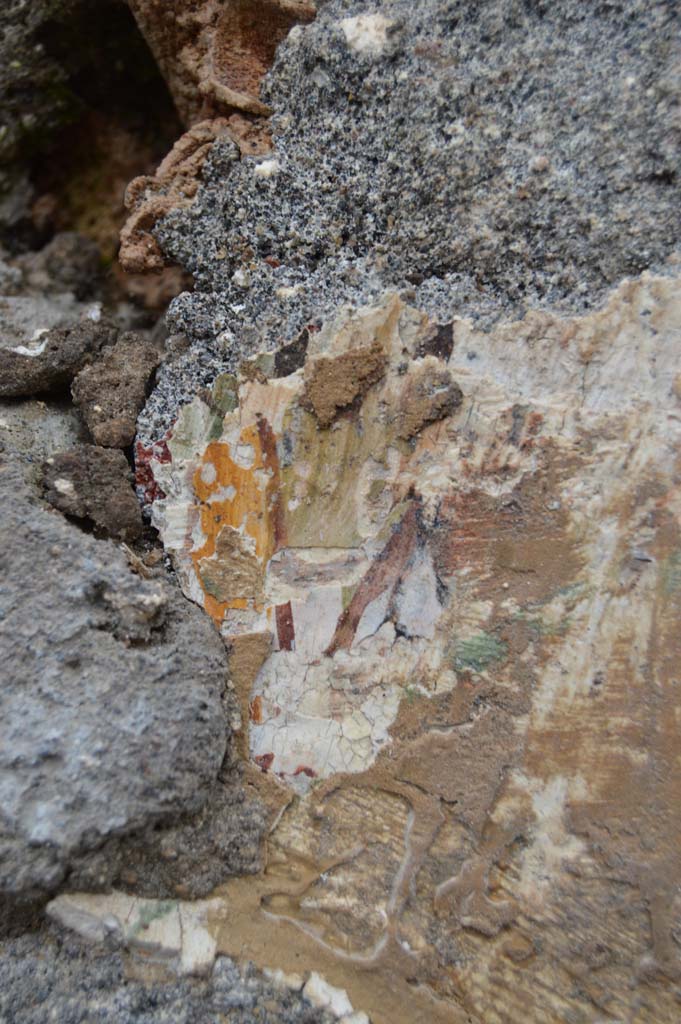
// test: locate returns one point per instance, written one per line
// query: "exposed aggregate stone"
(48, 975)
(484, 157)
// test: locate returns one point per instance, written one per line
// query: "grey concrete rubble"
(52, 973)
(94, 484)
(113, 714)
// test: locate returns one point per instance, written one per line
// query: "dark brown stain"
(285, 631)
(268, 444)
(264, 761)
(291, 357)
(440, 343)
(386, 571)
(430, 394)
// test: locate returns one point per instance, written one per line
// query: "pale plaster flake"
(329, 701)
(173, 931)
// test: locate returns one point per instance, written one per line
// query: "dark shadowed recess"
(116, 120)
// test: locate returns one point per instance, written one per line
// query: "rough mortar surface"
(459, 151)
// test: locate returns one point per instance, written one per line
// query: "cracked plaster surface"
(353, 535)
(455, 654)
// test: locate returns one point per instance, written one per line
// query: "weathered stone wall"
(410, 447)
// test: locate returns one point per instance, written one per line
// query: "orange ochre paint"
(253, 510)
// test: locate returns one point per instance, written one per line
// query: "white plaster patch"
(282, 980)
(323, 996)
(293, 572)
(64, 486)
(267, 168)
(373, 617)
(241, 278)
(314, 620)
(552, 844)
(417, 605)
(243, 455)
(288, 291)
(33, 349)
(173, 931)
(222, 493)
(366, 34)
(322, 715)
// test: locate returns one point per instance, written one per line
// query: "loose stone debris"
(94, 484)
(178, 934)
(111, 391)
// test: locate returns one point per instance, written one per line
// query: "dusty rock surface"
(35, 430)
(111, 392)
(94, 483)
(111, 717)
(49, 974)
(458, 151)
(49, 357)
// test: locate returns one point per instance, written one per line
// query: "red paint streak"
(264, 761)
(144, 474)
(272, 261)
(385, 573)
(534, 422)
(285, 631)
(268, 446)
(303, 769)
(255, 710)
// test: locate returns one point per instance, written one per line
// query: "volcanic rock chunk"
(70, 262)
(54, 973)
(111, 392)
(173, 186)
(47, 358)
(94, 483)
(462, 153)
(111, 701)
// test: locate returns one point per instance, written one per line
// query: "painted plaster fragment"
(172, 931)
(397, 538)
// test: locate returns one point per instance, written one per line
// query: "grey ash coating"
(496, 156)
(115, 734)
(48, 976)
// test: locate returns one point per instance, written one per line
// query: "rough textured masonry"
(393, 713)
(464, 151)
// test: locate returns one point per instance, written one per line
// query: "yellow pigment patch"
(249, 504)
